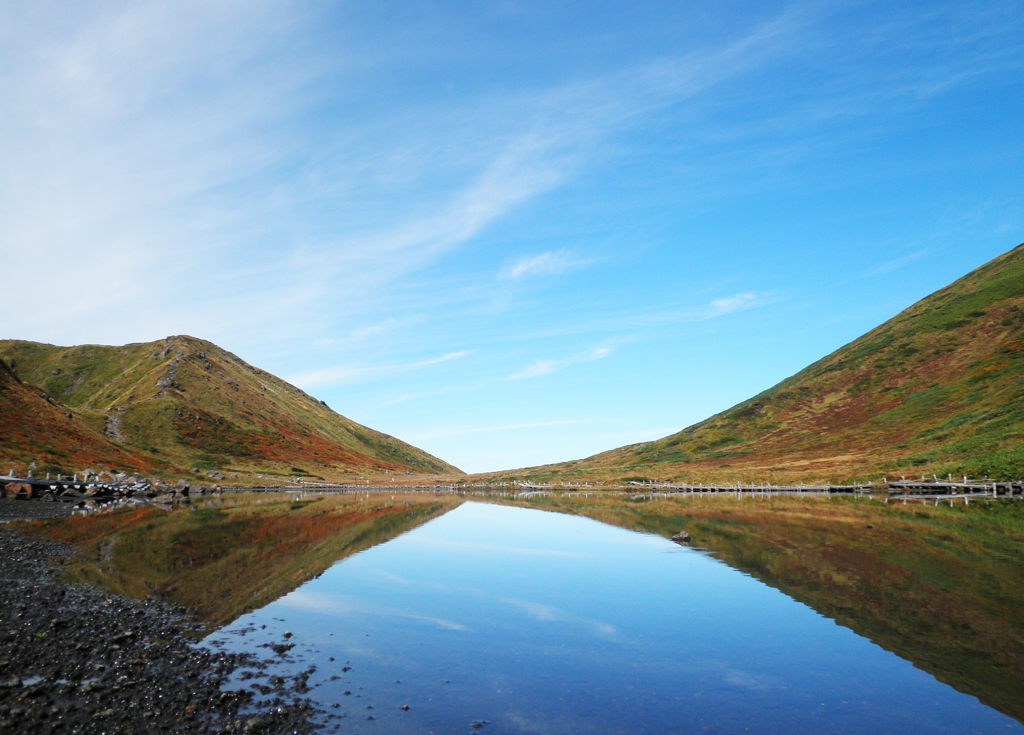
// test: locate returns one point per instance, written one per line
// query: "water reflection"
(235, 554)
(521, 621)
(938, 586)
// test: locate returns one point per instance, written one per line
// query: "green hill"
(937, 389)
(185, 402)
(36, 428)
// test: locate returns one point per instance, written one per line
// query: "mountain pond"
(504, 620)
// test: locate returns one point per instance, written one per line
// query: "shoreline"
(76, 659)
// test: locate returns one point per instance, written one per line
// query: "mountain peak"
(185, 401)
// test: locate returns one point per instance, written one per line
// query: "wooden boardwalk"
(904, 490)
(949, 490)
(760, 489)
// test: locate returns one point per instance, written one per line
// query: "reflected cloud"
(334, 605)
(740, 678)
(444, 543)
(552, 614)
(419, 583)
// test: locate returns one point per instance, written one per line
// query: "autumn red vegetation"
(185, 404)
(35, 428)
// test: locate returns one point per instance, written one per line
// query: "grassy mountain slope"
(31, 418)
(190, 403)
(937, 389)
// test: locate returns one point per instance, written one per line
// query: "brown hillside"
(190, 403)
(31, 420)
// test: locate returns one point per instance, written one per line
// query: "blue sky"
(510, 233)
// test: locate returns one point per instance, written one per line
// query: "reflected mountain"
(938, 586)
(234, 554)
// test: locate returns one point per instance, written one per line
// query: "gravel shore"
(74, 659)
(12, 510)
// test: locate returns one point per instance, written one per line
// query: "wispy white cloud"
(489, 429)
(548, 263)
(655, 315)
(338, 376)
(719, 307)
(891, 265)
(536, 368)
(154, 147)
(728, 305)
(374, 329)
(545, 367)
(150, 143)
(415, 397)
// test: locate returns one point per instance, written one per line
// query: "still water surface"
(535, 622)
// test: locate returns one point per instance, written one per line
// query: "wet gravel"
(75, 659)
(30, 510)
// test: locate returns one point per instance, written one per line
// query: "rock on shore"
(74, 659)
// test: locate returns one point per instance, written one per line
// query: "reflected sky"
(538, 622)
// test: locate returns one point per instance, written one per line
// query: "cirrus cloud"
(546, 367)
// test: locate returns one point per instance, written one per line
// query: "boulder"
(682, 538)
(20, 491)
